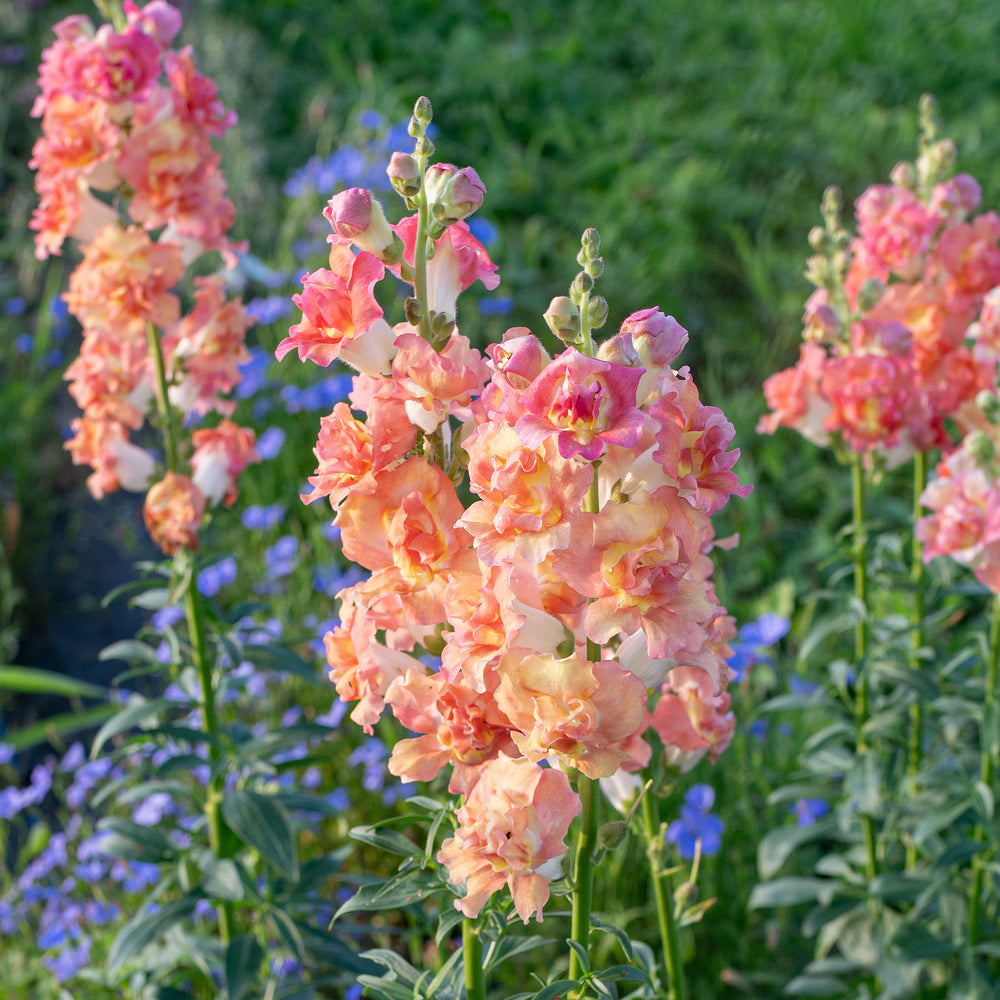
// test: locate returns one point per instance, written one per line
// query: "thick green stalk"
(162, 399)
(420, 257)
(859, 554)
(914, 749)
(986, 765)
(583, 868)
(472, 955)
(210, 723)
(663, 896)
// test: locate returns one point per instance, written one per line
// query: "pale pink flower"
(691, 719)
(511, 833)
(221, 453)
(794, 398)
(358, 218)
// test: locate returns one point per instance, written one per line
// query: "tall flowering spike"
(886, 369)
(123, 113)
(513, 510)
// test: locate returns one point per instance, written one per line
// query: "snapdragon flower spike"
(121, 112)
(590, 483)
(886, 364)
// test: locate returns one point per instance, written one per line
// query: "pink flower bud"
(658, 339)
(452, 193)
(357, 217)
(404, 174)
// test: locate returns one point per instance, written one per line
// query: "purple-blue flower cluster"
(697, 824)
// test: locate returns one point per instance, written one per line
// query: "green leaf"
(152, 599)
(264, 825)
(559, 989)
(396, 892)
(324, 948)
(894, 887)
(507, 946)
(959, 853)
(776, 845)
(627, 972)
(131, 651)
(135, 842)
(915, 943)
(940, 818)
(281, 659)
(243, 960)
(62, 725)
(791, 890)
(31, 680)
(816, 986)
(220, 879)
(388, 840)
(447, 922)
(145, 928)
(983, 798)
(127, 718)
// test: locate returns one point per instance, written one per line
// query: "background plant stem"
(986, 765)
(472, 956)
(663, 896)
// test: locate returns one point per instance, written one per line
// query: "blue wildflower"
(696, 824)
(807, 811)
(270, 443)
(270, 308)
(213, 578)
(259, 518)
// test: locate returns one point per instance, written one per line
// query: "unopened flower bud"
(904, 175)
(442, 326)
(818, 239)
(597, 312)
(452, 194)
(404, 174)
(582, 284)
(595, 267)
(980, 447)
(354, 215)
(413, 310)
(989, 403)
(423, 111)
(613, 834)
(869, 294)
(563, 318)
(590, 243)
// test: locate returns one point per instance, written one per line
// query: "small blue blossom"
(270, 443)
(753, 642)
(496, 305)
(166, 617)
(484, 230)
(253, 374)
(6, 753)
(807, 811)
(696, 824)
(372, 756)
(15, 306)
(259, 518)
(270, 308)
(213, 578)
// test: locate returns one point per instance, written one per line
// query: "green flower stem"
(663, 896)
(859, 554)
(986, 765)
(162, 399)
(420, 256)
(583, 867)
(472, 955)
(210, 722)
(914, 749)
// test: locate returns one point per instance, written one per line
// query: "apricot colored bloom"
(220, 454)
(587, 403)
(580, 714)
(435, 384)
(361, 668)
(634, 561)
(173, 511)
(694, 442)
(407, 533)
(195, 97)
(112, 379)
(103, 444)
(691, 719)
(124, 282)
(337, 306)
(206, 349)
(528, 496)
(458, 725)
(511, 833)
